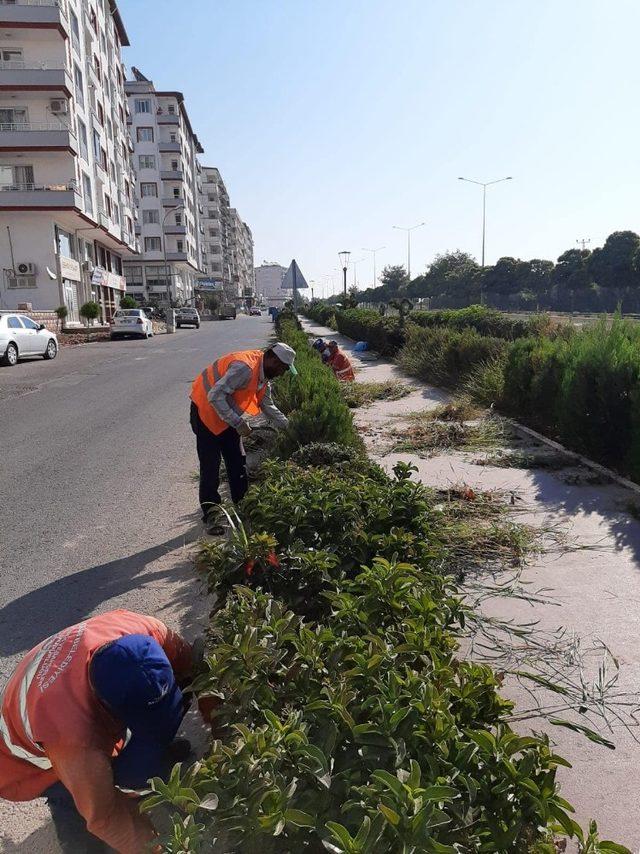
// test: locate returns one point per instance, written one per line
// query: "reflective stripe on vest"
(38, 759)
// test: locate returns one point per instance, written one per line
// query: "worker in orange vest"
(86, 718)
(232, 389)
(340, 363)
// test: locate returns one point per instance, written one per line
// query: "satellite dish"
(51, 274)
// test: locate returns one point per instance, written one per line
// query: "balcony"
(34, 13)
(35, 196)
(177, 256)
(175, 229)
(172, 201)
(168, 119)
(28, 74)
(172, 175)
(31, 136)
(170, 147)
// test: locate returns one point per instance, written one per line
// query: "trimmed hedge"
(384, 334)
(486, 321)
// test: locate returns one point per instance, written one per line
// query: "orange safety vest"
(342, 367)
(247, 400)
(49, 700)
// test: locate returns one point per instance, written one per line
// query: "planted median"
(344, 717)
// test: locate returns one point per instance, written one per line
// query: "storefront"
(107, 289)
(71, 274)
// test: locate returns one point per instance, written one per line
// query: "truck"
(227, 311)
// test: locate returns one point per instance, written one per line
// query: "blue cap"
(133, 677)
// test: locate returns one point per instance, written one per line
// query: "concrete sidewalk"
(594, 583)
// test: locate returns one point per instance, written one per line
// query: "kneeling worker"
(87, 717)
(234, 387)
(340, 363)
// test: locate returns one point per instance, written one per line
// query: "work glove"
(244, 429)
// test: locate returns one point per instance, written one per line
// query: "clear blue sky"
(332, 120)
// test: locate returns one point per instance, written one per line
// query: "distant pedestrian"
(233, 388)
(340, 363)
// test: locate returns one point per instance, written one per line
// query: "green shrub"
(383, 334)
(441, 355)
(322, 313)
(486, 321)
(485, 382)
(90, 310)
(313, 401)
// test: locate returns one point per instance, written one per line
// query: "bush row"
(345, 719)
(579, 386)
(486, 321)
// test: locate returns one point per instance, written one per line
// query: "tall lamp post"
(373, 252)
(409, 230)
(484, 185)
(164, 249)
(344, 263)
(355, 270)
(584, 243)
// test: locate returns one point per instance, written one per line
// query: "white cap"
(286, 355)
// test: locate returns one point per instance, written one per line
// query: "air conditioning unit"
(27, 269)
(59, 107)
(25, 306)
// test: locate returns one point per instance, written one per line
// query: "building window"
(211, 213)
(82, 136)
(176, 192)
(180, 245)
(107, 204)
(75, 31)
(100, 114)
(148, 189)
(145, 134)
(79, 87)
(171, 109)
(175, 165)
(93, 20)
(103, 159)
(96, 145)
(173, 137)
(88, 195)
(146, 161)
(142, 105)
(152, 244)
(150, 216)
(178, 219)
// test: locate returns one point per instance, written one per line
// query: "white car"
(131, 321)
(187, 317)
(21, 336)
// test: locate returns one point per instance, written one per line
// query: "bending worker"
(87, 717)
(233, 388)
(340, 363)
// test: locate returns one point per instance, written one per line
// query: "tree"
(450, 274)
(612, 266)
(394, 279)
(128, 301)
(90, 311)
(62, 311)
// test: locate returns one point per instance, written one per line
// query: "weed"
(534, 459)
(428, 436)
(364, 394)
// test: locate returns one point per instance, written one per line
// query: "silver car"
(21, 336)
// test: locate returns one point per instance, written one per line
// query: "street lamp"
(164, 249)
(344, 261)
(409, 230)
(355, 270)
(584, 242)
(484, 185)
(373, 252)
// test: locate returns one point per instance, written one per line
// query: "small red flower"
(248, 567)
(272, 560)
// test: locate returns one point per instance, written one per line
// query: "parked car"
(21, 336)
(187, 317)
(131, 321)
(255, 311)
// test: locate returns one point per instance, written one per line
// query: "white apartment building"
(268, 284)
(66, 178)
(169, 186)
(214, 208)
(242, 276)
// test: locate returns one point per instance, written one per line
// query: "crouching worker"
(87, 717)
(232, 389)
(340, 363)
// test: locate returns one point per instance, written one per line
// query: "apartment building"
(241, 254)
(169, 186)
(66, 177)
(268, 284)
(215, 213)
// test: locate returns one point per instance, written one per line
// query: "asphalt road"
(97, 461)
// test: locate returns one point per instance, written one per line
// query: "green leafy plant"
(90, 310)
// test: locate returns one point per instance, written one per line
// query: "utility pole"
(409, 230)
(373, 252)
(583, 243)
